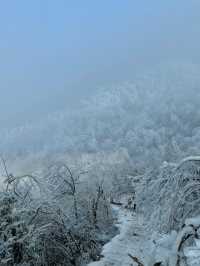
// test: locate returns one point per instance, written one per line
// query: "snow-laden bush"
(171, 194)
(51, 220)
(42, 237)
(16, 240)
(179, 248)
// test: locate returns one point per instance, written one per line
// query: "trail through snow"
(130, 240)
(135, 239)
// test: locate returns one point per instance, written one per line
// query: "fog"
(55, 54)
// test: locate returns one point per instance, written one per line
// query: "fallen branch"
(136, 260)
(116, 203)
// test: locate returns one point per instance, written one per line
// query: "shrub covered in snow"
(51, 221)
(171, 194)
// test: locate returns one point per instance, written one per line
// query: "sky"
(53, 54)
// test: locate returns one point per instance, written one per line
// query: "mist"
(54, 55)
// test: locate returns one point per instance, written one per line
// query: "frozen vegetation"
(114, 182)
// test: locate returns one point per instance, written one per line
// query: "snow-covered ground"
(135, 239)
(131, 240)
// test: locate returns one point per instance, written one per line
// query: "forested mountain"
(155, 118)
(125, 162)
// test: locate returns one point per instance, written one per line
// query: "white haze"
(53, 56)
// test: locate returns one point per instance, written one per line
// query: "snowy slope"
(136, 240)
(131, 240)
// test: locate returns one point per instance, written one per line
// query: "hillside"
(113, 182)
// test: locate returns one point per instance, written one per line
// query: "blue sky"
(56, 52)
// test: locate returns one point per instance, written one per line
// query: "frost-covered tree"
(156, 118)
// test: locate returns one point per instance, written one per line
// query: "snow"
(188, 159)
(132, 239)
(116, 251)
(193, 255)
(193, 221)
(135, 239)
(197, 242)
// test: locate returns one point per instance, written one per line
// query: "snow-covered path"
(135, 239)
(130, 240)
